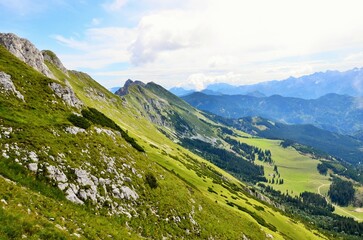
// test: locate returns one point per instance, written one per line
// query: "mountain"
(307, 87)
(179, 91)
(332, 112)
(80, 162)
(341, 146)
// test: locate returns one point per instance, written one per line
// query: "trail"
(336, 206)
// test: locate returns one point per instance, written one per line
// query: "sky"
(192, 43)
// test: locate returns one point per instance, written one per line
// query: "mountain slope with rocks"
(80, 162)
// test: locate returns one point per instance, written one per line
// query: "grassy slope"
(180, 189)
(298, 171)
(126, 118)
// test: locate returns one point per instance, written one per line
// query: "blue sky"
(192, 43)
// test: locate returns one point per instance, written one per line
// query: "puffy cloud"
(193, 43)
(163, 32)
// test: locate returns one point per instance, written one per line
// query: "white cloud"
(114, 5)
(100, 48)
(203, 41)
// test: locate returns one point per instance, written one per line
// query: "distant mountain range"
(307, 87)
(338, 113)
(179, 91)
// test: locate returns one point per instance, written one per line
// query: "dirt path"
(336, 206)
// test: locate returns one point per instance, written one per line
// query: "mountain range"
(306, 87)
(333, 112)
(78, 161)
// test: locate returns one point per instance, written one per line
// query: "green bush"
(151, 180)
(79, 121)
(99, 118)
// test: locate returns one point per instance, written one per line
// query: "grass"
(298, 171)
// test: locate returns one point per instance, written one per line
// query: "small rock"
(127, 179)
(33, 156)
(33, 167)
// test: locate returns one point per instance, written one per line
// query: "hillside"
(340, 146)
(78, 161)
(332, 112)
(307, 87)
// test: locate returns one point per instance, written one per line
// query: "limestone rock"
(25, 51)
(67, 94)
(52, 58)
(71, 194)
(33, 167)
(129, 194)
(83, 177)
(8, 85)
(74, 130)
(56, 174)
(33, 156)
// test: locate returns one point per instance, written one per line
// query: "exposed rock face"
(67, 94)
(51, 57)
(25, 51)
(8, 85)
(125, 89)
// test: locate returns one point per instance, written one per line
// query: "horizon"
(192, 44)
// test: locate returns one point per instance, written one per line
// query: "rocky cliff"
(25, 51)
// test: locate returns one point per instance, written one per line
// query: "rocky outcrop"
(25, 51)
(67, 94)
(125, 89)
(8, 85)
(74, 130)
(52, 58)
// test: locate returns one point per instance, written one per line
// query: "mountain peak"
(25, 51)
(125, 89)
(52, 57)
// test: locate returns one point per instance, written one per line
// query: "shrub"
(151, 180)
(79, 121)
(99, 118)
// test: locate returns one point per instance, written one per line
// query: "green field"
(298, 172)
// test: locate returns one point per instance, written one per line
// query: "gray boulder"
(8, 85)
(66, 93)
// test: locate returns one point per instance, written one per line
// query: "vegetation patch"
(99, 118)
(79, 121)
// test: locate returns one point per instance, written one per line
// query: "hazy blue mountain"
(179, 91)
(333, 112)
(308, 87)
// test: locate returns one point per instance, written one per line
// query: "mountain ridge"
(332, 112)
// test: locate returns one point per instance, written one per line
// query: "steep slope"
(332, 112)
(70, 168)
(297, 168)
(307, 87)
